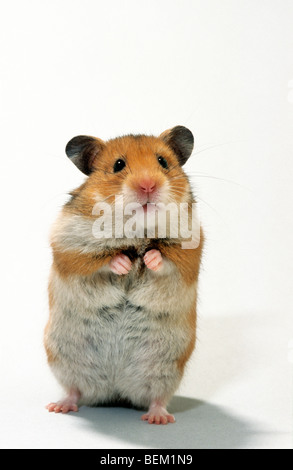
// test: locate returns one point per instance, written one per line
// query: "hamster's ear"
(180, 140)
(82, 151)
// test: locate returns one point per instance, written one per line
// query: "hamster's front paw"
(153, 260)
(120, 264)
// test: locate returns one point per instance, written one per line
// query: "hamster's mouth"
(149, 207)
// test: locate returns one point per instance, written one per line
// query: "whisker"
(173, 178)
(197, 198)
(177, 191)
(202, 175)
(225, 180)
(195, 153)
(177, 186)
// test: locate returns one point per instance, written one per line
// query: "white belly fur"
(119, 337)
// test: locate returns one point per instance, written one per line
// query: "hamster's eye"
(162, 161)
(119, 165)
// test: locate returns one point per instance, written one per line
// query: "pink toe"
(123, 263)
(120, 264)
(153, 264)
(51, 407)
(122, 269)
(126, 260)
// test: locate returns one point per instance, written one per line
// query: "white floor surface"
(236, 394)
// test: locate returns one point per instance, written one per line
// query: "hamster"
(122, 321)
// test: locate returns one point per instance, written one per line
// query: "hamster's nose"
(147, 185)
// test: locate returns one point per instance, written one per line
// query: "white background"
(223, 69)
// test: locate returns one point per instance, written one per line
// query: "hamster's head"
(143, 169)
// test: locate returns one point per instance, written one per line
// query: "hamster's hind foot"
(67, 404)
(158, 414)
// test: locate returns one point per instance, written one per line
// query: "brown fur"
(69, 263)
(187, 261)
(76, 257)
(134, 151)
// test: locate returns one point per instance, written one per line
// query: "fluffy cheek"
(179, 190)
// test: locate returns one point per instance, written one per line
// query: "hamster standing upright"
(122, 322)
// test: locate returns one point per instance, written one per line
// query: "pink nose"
(147, 185)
